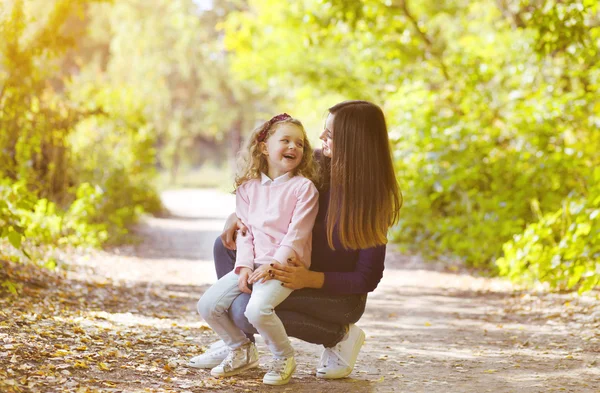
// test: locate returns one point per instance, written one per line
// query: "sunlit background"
(493, 110)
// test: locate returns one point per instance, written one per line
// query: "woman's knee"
(237, 313)
(356, 313)
(224, 258)
(218, 247)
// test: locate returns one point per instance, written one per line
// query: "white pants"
(260, 312)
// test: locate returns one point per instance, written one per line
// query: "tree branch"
(516, 20)
(403, 5)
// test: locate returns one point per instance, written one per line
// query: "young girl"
(278, 203)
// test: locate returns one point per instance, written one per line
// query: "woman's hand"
(243, 279)
(295, 275)
(232, 225)
(260, 274)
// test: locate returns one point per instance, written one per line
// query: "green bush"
(561, 248)
(75, 168)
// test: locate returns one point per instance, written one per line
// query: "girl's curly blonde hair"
(251, 160)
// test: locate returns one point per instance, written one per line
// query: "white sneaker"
(280, 371)
(238, 360)
(212, 357)
(338, 362)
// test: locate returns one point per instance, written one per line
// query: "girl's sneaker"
(280, 371)
(238, 360)
(338, 362)
(212, 357)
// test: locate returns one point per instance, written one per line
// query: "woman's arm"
(232, 225)
(364, 278)
(295, 275)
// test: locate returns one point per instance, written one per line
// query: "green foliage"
(561, 248)
(29, 221)
(492, 105)
(56, 190)
(167, 61)
(13, 198)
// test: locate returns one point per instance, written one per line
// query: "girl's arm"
(245, 244)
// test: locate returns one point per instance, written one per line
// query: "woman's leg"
(224, 258)
(310, 315)
(340, 309)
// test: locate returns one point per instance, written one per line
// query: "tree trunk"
(176, 161)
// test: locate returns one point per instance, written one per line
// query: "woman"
(359, 200)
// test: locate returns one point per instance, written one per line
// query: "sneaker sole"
(324, 375)
(280, 382)
(236, 371)
(203, 365)
(359, 343)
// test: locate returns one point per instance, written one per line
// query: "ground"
(124, 320)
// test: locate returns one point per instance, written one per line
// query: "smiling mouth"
(289, 156)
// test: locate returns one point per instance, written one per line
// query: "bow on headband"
(263, 134)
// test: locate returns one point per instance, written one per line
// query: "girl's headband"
(263, 134)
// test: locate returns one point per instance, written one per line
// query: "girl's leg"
(308, 314)
(261, 314)
(213, 308)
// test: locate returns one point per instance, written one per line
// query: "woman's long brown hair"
(365, 199)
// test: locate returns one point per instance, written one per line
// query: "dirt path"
(126, 321)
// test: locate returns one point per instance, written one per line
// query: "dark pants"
(309, 314)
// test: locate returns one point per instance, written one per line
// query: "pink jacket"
(280, 215)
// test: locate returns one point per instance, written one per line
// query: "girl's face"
(327, 137)
(284, 149)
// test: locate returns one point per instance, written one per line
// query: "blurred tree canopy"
(493, 109)
(95, 96)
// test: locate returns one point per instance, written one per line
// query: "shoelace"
(277, 366)
(324, 358)
(221, 351)
(333, 357)
(228, 361)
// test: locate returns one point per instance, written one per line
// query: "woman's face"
(327, 137)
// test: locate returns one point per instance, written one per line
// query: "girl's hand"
(294, 275)
(243, 279)
(260, 274)
(232, 225)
